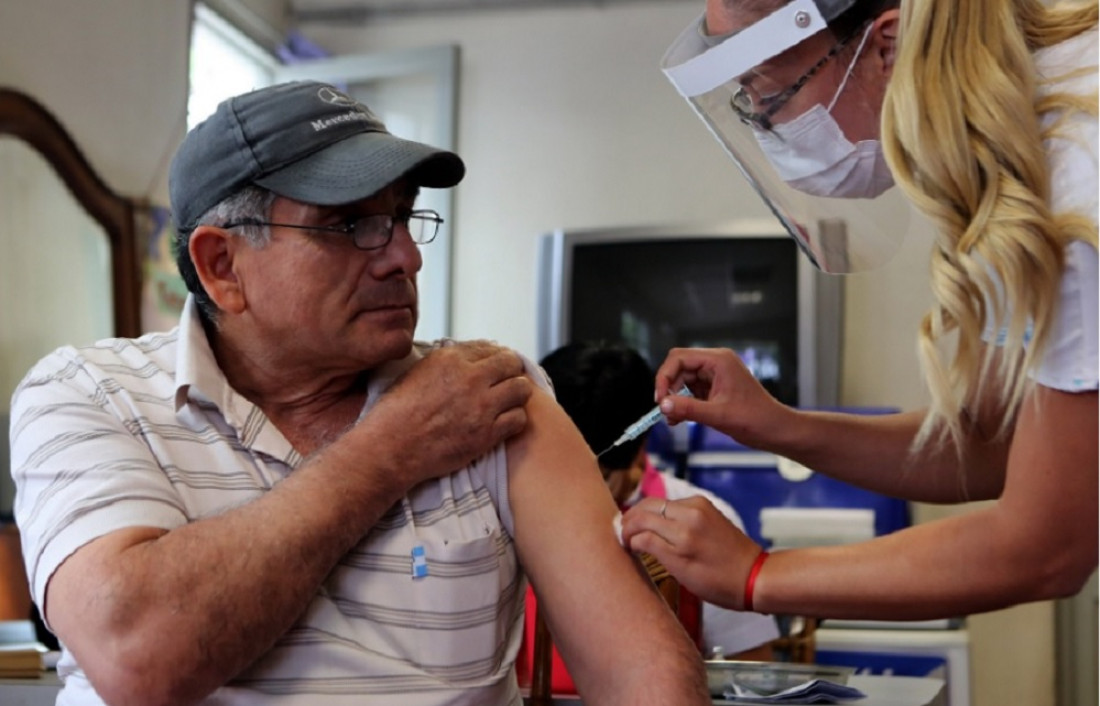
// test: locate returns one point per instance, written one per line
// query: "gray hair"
(250, 203)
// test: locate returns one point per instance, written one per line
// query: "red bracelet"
(750, 582)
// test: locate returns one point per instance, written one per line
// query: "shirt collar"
(200, 379)
(198, 376)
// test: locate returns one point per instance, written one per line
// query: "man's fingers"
(506, 363)
(514, 391)
(476, 350)
(510, 423)
(512, 418)
(500, 361)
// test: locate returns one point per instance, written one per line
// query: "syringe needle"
(642, 425)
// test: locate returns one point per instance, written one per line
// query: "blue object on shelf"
(884, 664)
(750, 481)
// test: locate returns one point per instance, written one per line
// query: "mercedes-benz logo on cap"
(331, 95)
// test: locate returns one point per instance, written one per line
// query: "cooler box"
(750, 481)
(944, 654)
(885, 664)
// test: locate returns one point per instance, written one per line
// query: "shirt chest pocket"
(442, 598)
(461, 606)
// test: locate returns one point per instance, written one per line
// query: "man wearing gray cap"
(287, 500)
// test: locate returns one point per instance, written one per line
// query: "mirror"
(23, 118)
(55, 277)
(69, 274)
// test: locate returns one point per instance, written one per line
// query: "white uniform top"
(148, 432)
(730, 631)
(1072, 357)
(1071, 360)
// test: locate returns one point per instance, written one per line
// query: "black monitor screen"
(738, 293)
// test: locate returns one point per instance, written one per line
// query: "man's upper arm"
(80, 473)
(590, 588)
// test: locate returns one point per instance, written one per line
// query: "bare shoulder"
(550, 444)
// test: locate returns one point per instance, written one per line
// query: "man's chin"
(383, 348)
(398, 342)
(392, 330)
(380, 322)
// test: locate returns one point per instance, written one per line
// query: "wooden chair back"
(798, 644)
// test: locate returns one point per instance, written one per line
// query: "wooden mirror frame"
(23, 117)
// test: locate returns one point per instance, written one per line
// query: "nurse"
(852, 120)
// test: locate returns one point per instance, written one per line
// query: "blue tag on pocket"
(419, 562)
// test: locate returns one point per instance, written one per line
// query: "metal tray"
(768, 678)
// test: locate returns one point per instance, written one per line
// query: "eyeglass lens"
(376, 231)
(744, 105)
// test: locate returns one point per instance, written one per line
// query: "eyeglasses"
(369, 232)
(745, 107)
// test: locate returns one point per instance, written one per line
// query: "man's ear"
(885, 39)
(213, 251)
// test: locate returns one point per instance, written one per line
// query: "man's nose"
(401, 253)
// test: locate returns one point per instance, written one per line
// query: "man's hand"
(458, 403)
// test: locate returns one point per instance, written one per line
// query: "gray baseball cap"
(303, 140)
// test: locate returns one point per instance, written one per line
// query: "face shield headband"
(835, 198)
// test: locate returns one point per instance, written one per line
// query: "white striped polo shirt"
(147, 432)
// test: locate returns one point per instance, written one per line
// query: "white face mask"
(812, 154)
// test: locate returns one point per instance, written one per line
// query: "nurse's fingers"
(650, 526)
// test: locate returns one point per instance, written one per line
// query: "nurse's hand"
(726, 396)
(706, 553)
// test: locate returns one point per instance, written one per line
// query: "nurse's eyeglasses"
(758, 112)
(369, 232)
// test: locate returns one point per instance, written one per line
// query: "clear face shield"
(810, 148)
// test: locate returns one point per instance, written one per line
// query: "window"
(224, 63)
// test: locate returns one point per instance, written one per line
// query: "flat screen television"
(742, 285)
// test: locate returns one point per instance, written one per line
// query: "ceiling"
(362, 11)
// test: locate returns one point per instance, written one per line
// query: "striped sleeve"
(80, 467)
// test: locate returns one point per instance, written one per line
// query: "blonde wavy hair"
(961, 132)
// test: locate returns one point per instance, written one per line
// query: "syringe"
(642, 425)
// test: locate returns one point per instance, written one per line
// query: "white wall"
(113, 71)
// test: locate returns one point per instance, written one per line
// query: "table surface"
(893, 691)
(880, 691)
(30, 692)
